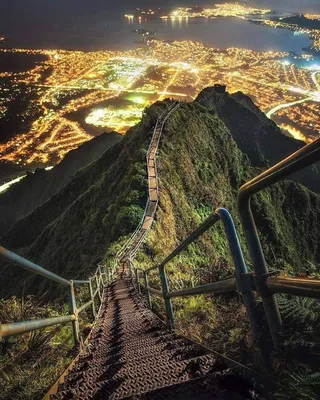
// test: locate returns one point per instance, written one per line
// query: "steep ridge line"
(110, 366)
(127, 253)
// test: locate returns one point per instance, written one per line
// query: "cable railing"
(261, 282)
(103, 276)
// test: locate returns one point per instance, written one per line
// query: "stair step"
(224, 385)
(131, 354)
(94, 371)
(139, 378)
(132, 341)
(138, 348)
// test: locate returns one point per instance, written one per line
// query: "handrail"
(242, 282)
(223, 286)
(127, 252)
(78, 283)
(84, 306)
(153, 290)
(27, 326)
(210, 221)
(16, 328)
(304, 287)
(32, 267)
(302, 158)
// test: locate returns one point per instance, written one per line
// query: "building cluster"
(70, 91)
(314, 34)
(313, 16)
(237, 10)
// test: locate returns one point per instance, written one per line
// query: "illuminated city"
(220, 10)
(75, 95)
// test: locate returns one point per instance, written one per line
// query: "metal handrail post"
(138, 283)
(243, 280)
(302, 158)
(92, 298)
(101, 275)
(134, 277)
(74, 311)
(167, 300)
(98, 286)
(149, 301)
(261, 270)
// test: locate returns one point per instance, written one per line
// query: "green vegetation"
(200, 168)
(30, 362)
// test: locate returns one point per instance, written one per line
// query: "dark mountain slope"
(71, 232)
(36, 188)
(10, 171)
(200, 168)
(256, 135)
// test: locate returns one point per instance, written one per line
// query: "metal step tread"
(137, 379)
(112, 364)
(131, 353)
(223, 385)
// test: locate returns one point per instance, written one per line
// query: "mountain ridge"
(258, 136)
(200, 168)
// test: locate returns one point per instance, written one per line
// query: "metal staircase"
(130, 353)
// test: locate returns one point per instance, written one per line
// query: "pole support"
(73, 310)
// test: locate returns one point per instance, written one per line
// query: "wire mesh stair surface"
(132, 354)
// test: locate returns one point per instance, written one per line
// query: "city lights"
(73, 90)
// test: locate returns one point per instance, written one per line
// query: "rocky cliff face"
(203, 160)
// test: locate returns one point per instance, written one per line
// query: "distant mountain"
(256, 135)
(302, 21)
(204, 158)
(36, 188)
